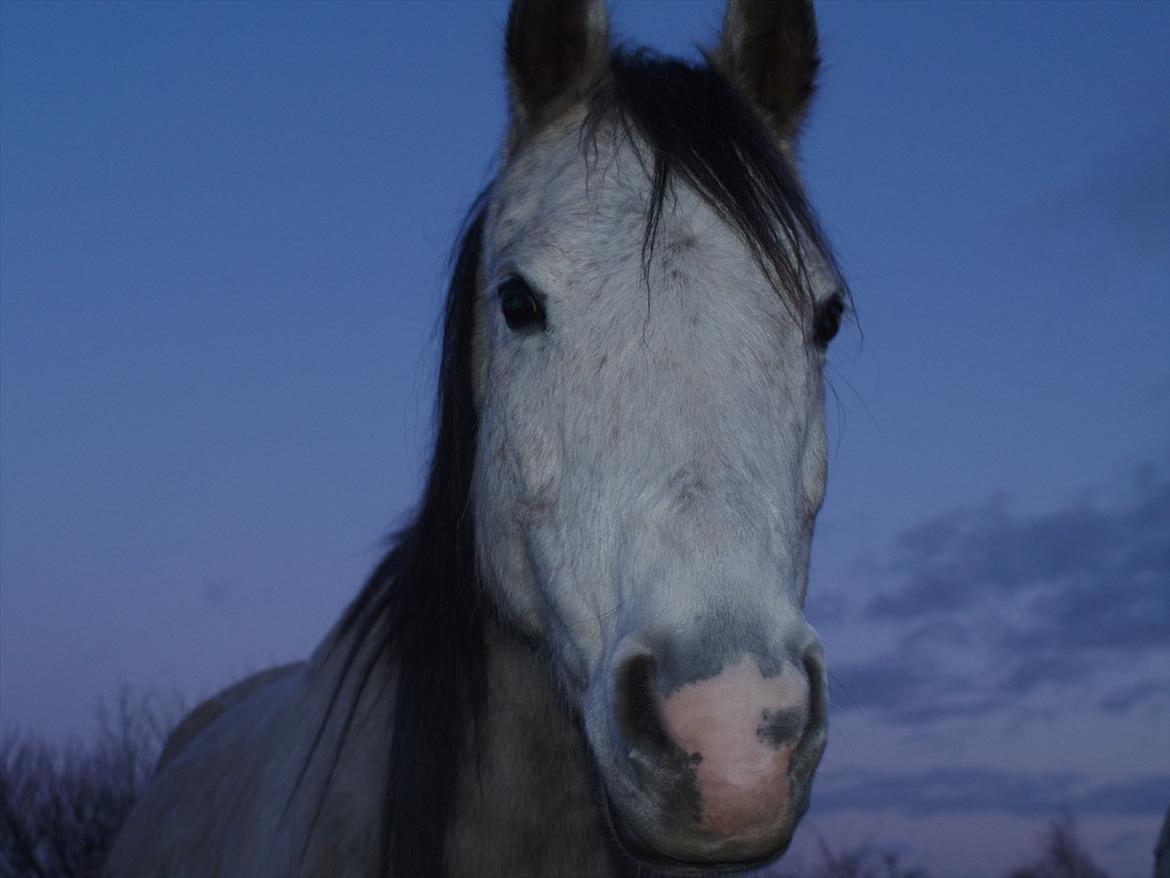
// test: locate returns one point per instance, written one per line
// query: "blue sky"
(223, 234)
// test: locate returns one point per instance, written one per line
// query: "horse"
(585, 654)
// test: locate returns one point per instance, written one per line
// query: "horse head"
(653, 304)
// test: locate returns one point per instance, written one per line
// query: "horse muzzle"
(713, 772)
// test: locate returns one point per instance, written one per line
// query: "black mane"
(423, 605)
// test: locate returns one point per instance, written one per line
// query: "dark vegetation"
(61, 806)
(1061, 855)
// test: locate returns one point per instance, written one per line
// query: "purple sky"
(223, 230)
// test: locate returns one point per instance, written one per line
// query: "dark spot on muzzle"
(778, 727)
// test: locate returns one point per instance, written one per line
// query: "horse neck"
(529, 803)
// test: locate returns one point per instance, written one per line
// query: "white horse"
(586, 654)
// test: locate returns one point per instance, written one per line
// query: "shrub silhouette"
(1063, 856)
(62, 806)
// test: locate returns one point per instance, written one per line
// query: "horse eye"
(521, 306)
(827, 321)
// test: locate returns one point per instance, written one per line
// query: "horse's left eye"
(827, 321)
(520, 305)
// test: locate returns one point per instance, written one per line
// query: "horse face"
(650, 461)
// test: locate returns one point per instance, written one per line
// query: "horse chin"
(685, 855)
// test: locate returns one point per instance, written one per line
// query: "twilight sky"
(223, 234)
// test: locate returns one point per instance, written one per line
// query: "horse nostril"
(636, 709)
(814, 670)
(812, 742)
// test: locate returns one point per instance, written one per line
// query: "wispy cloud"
(1142, 692)
(968, 790)
(988, 605)
(1105, 560)
(1123, 202)
(909, 688)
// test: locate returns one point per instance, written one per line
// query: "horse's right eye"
(520, 305)
(827, 320)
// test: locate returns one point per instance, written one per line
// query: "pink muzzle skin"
(739, 729)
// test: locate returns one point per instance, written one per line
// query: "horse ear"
(556, 51)
(769, 47)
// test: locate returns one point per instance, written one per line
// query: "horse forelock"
(689, 125)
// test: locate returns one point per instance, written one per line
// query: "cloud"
(968, 790)
(908, 688)
(1141, 692)
(1145, 795)
(988, 605)
(1120, 209)
(1103, 558)
(1091, 577)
